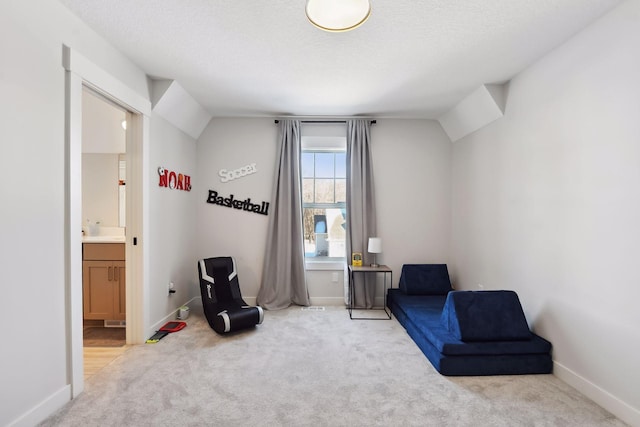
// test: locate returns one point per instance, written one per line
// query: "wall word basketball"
(231, 202)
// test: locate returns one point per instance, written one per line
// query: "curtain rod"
(373, 122)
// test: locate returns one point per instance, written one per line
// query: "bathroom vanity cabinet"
(103, 281)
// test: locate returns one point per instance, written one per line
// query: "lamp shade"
(375, 245)
(337, 15)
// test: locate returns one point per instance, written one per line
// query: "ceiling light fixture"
(338, 15)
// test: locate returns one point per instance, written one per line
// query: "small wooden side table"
(385, 270)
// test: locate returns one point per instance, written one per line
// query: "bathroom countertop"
(103, 239)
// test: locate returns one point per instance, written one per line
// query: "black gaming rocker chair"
(223, 305)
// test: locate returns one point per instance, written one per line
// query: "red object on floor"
(173, 326)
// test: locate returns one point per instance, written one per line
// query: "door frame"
(79, 72)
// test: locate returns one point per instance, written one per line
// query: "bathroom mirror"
(103, 161)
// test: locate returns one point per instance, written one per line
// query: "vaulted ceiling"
(411, 59)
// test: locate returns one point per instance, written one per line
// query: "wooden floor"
(96, 358)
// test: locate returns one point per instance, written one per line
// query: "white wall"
(102, 130)
(412, 170)
(172, 233)
(31, 131)
(230, 144)
(34, 376)
(412, 176)
(546, 201)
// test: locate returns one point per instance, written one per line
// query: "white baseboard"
(169, 317)
(330, 301)
(44, 409)
(333, 301)
(611, 403)
(248, 300)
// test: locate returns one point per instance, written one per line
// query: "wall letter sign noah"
(175, 181)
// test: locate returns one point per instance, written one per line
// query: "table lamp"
(375, 247)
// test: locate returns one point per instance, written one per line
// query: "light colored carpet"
(317, 368)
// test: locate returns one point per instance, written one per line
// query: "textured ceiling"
(412, 59)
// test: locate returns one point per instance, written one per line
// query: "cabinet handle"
(109, 274)
(115, 273)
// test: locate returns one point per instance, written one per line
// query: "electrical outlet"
(334, 277)
(171, 288)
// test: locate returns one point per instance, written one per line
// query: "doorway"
(103, 230)
(82, 73)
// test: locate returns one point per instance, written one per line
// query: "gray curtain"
(283, 276)
(361, 213)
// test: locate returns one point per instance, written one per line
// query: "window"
(324, 192)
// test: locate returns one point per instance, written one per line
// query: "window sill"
(324, 265)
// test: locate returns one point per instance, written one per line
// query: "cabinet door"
(119, 286)
(98, 289)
